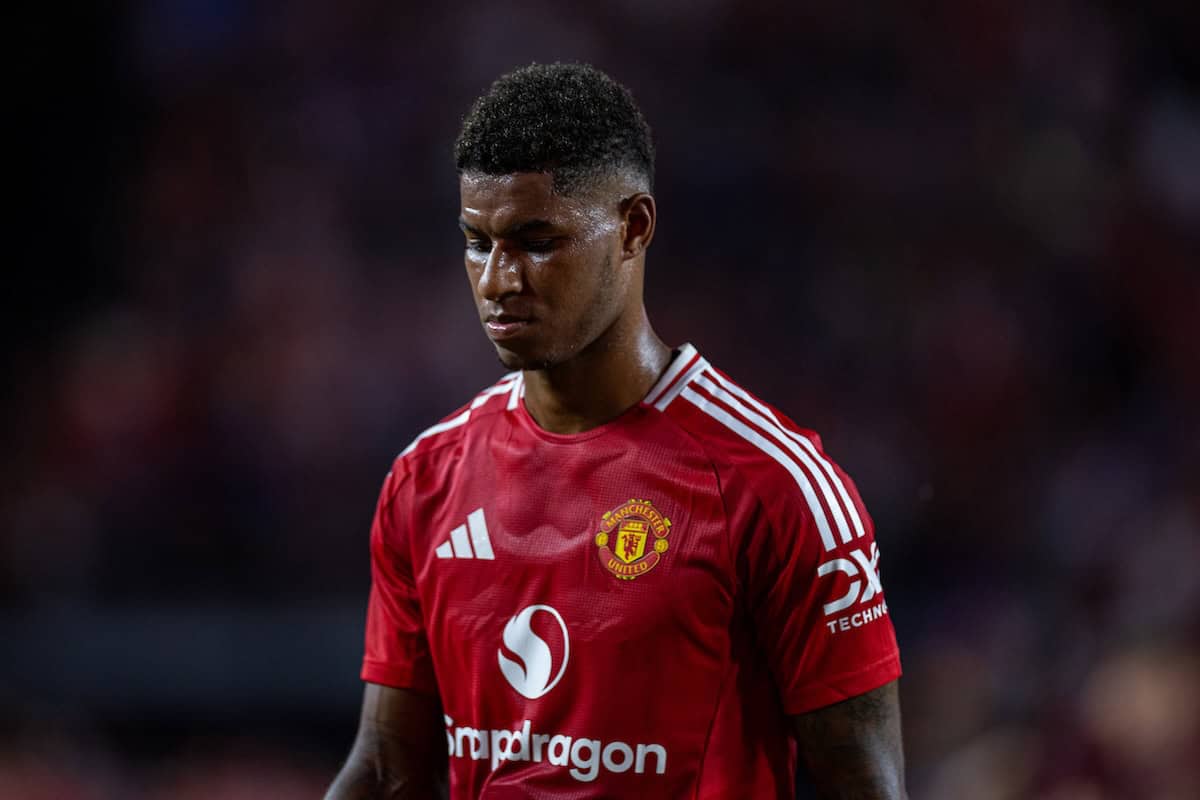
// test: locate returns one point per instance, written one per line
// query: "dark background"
(960, 240)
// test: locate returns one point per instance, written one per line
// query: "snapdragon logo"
(529, 673)
(584, 756)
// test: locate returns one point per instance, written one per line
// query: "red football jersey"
(632, 611)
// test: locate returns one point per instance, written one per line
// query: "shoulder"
(735, 425)
(440, 440)
(783, 464)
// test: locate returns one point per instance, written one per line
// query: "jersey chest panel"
(609, 591)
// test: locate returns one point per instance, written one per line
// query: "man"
(615, 572)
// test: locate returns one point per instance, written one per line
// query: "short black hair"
(570, 120)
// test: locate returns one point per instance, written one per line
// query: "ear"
(638, 215)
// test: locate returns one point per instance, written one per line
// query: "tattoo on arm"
(853, 749)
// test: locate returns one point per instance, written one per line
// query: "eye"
(539, 245)
(479, 245)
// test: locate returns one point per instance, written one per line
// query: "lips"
(505, 326)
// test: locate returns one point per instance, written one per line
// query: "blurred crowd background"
(960, 240)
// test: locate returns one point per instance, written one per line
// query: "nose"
(501, 274)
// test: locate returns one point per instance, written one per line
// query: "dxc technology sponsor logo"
(530, 672)
(859, 565)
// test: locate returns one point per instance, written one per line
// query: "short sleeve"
(810, 569)
(397, 650)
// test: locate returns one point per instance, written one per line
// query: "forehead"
(497, 201)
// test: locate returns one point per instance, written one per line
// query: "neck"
(608, 377)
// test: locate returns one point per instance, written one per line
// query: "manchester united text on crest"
(632, 539)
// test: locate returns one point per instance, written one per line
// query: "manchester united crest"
(632, 539)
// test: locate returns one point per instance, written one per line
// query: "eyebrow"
(511, 231)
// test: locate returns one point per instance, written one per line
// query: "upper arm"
(810, 567)
(397, 649)
(853, 749)
(400, 749)
(399, 752)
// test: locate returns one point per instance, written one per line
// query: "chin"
(514, 360)
(522, 361)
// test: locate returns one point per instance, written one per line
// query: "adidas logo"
(479, 545)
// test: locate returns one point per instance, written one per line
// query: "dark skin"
(557, 281)
(568, 272)
(399, 752)
(853, 750)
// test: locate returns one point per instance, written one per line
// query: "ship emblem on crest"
(632, 539)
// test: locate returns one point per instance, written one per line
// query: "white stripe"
(461, 419)
(685, 355)
(458, 538)
(804, 442)
(755, 438)
(444, 550)
(778, 435)
(518, 387)
(670, 396)
(487, 394)
(479, 534)
(502, 386)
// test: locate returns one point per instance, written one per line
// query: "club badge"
(632, 539)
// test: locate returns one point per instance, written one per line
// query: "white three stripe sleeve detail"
(518, 389)
(461, 419)
(685, 355)
(479, 535)
(778, 435)
(755, 438)
(458, 540)
(506, 385)
(444, 550)
(804, 442)
(675, 391)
